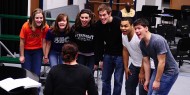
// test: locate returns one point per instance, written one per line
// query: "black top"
(84, 38)
(70, 80)
(108, 39)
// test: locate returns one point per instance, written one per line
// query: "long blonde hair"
(32, 23)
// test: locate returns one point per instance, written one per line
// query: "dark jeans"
(33, 60)
(88, 61)
(112, 64)
(133, 81)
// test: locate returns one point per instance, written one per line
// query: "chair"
(183, 50)
(184, 28)
(185, 9)
(168, 16)
(160, 30)
(170, 33)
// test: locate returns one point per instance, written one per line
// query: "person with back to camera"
(128, 11)
(135, 72)
(108, 42)
(83, 33)
(32, 41)
(70, 78)
(55, 38)
(156, 47)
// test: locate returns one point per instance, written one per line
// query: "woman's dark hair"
(69, 51)
(59, 18)
(91, 15)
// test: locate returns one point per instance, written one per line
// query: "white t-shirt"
(134, 50)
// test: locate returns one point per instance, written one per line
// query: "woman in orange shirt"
(32, 42)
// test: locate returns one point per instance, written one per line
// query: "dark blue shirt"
(57, 41)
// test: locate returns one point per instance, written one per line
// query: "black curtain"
(12, 26)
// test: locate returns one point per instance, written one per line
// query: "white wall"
(50, 4)
(81, 3)
(148, 2)
(29, 5)
(139, 4)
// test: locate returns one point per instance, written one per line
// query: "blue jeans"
(55, 58)
(166, 83)
(112, 64)
(132, 82)
(88, 61)
(33, 60)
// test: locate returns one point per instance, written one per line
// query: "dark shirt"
(57, 41)
(108, 39)
(70, 80)
(84, 38)
(158, 45)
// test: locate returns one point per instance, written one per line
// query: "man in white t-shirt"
(135, 72)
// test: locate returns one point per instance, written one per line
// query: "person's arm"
(142, 74)
(92, 88)
(160, 70)
(146, 64)
(126, 61)
(133, 13)
(99, 45)
(22, 58)
(43, 45)
(47, 49)
(48, 89)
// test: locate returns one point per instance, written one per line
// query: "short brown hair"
(104, 7)
(69, 51)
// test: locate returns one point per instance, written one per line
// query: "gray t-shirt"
(158, 45)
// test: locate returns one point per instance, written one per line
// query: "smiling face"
(63, 23)
(85, 19)
(104, 16)
(126, 27)
(141, 31)
(38, 19)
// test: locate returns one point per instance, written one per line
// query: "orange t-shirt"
(33, 39)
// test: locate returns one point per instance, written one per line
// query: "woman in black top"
(83, 35)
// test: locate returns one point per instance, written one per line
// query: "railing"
(13, 59)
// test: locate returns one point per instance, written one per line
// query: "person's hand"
(127, 73)
(141, 77)
(156, 85)
(95, 67)
(146, 85)
(22, 59)
(101, 64)
(45, 60)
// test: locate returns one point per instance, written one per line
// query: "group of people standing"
(75, 52)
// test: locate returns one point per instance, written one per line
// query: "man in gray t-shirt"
(156, 47)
